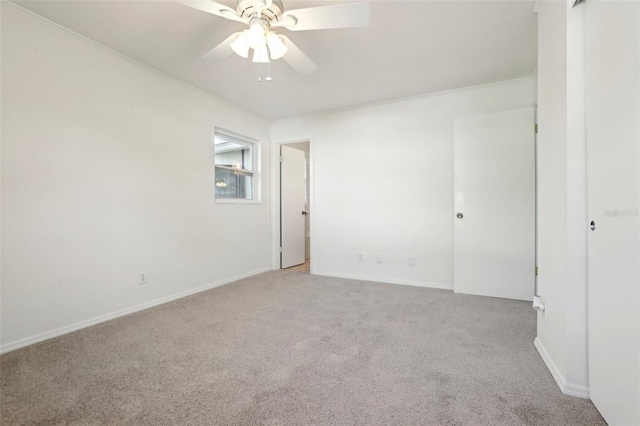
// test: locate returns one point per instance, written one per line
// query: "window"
(235, 159)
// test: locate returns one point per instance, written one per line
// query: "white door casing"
(494, 190)
(613, 185)
(292, 199)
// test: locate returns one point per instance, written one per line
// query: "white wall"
(107, 170)
(552, 180)
(382, 182)
(562, 250)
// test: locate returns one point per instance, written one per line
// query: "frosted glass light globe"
(240, 45)
(276, 46)
(255, 36)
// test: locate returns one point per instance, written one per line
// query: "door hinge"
(281, 159)
(536, 271)
(280, 249)
(536, 128)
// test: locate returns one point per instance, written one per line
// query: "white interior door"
(613, 163)
(494, 205)
(292, 207)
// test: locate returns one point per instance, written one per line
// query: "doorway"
(295, 220)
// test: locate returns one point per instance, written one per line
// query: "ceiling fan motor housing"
(271, 10)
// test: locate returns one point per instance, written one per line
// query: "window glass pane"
(233, 184)
(234, 160)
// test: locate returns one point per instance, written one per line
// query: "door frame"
(275, 199)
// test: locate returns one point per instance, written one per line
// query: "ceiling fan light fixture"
(255, 36)
(240, 45)
(288, 21)
(276, 46)
(261, 55)
(263, 16)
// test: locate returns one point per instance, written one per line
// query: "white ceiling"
(410, 48)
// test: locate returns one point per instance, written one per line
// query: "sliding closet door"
(613, 141)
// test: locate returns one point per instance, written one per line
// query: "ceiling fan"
(265, 16)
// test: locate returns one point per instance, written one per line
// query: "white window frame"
(255, 161)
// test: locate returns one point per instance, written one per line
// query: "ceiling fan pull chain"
(269, 71)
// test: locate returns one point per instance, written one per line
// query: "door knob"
(459, 215)
(304, 213)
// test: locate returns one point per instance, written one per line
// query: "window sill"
(236, 201)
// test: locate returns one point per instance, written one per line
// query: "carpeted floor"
(289, 348)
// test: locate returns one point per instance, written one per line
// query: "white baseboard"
(566, 388)
(11, 346)
(575, 390)
(384, 280)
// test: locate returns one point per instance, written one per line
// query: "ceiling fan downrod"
(269, 10)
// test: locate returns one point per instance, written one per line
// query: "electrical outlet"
(142, 278)
(359, 257)
(412, 261)
(379, 259)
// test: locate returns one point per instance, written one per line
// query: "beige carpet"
(288, 348)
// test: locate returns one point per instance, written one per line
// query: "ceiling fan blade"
(221, 51)
(297, 59)
(351, 15)
(214, 8)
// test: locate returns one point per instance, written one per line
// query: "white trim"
(575, 390)
(256, 159)
(11, 346)
(275, 197)
(234, 137)
(566, 388)
(551, 366)
(406, 98)
(385, 280)
(236, 201)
